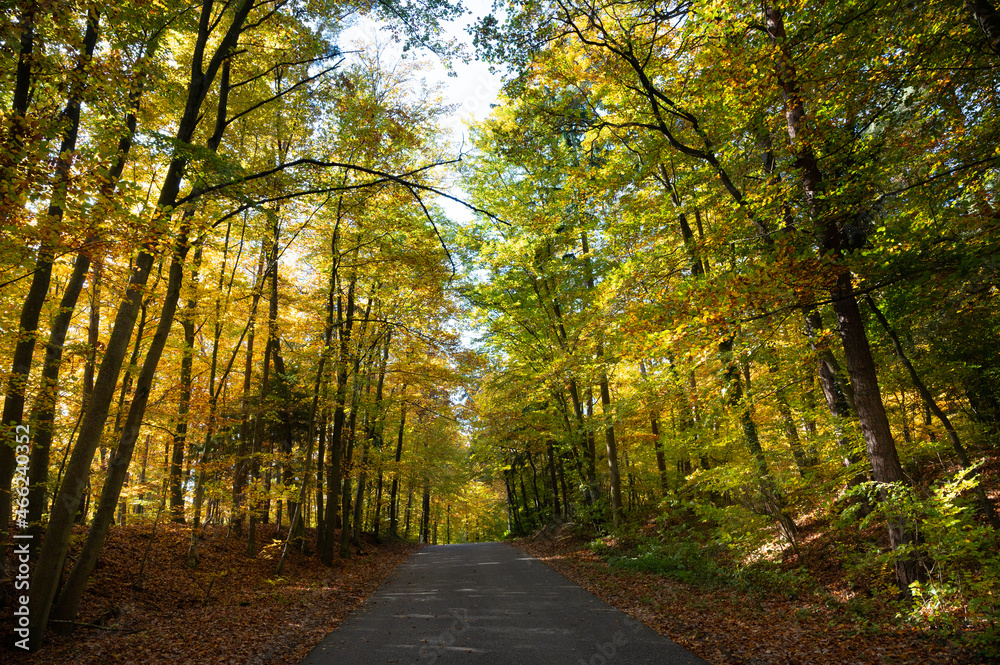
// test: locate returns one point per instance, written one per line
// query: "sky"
(473, 88)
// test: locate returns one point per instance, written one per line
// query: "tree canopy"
(728, 263)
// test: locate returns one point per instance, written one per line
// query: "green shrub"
(961, 586)
(682, 560)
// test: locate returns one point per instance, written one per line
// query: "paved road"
(490, 604)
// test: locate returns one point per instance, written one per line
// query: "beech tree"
(727, 260)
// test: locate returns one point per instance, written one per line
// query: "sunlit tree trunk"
(186, 388)
(53, 552)
(875, 429)
(69, 599)
(49, 228)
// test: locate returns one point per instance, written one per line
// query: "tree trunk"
(988, 19)
(654, 427)
(984, 502)
(773, 503)
(425, 513)
(214, 391)
(348, 464)
(24, 350)
(43, 411)
(184, 404)
(556, 509)
(53, 552)
(13, 149)
(394, 490)
(611, 446)
(270, 350)
(242, 470)
(69, 599)
(345, 321)
(860, 366)
(373, 436)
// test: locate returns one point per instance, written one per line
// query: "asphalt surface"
(490, 604)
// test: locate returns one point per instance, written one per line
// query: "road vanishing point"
(490, 604)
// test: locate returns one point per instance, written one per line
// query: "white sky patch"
(473, 88)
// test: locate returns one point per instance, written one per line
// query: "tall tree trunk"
(270, 353)
(54, 546)
(579, 430)
(215, 389)
(513, 519)
(69, 600)
(373, 437)
(610, 444)
(345, 321)
(539, 502)
(792, 433)
(50, 230)
(186, 386)
(425, 512)
(324, 425)
(875, 429)
(394, 490)
(348, 464)
(925, 394)
(377, 519)
(242, 466)
(43, 412)
(556, 509)
(409, 507)
(654, 427)
(242, 470)
(772, 501)
(314, 410)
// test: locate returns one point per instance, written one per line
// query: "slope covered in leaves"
(228, 610)
(804, 608)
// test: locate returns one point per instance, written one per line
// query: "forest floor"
(228, 610)
(808, 606)
(726, 625)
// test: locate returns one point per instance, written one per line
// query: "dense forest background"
(729, 286)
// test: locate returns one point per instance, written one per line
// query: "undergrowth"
(958, 598)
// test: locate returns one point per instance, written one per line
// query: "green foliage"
(959, 555)
(682, 560)
(687, 556)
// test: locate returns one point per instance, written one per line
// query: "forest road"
(490, 604)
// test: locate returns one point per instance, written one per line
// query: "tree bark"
(654, 427)
(373, 437)
(345, 321)
(879, 443)
(24, 350)
(69, 600)
(773, 503)
(53, 552)
(987, 18)
(242, 466)
(43, 411)
(394, 490)
(985, 505)
(184, 403)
